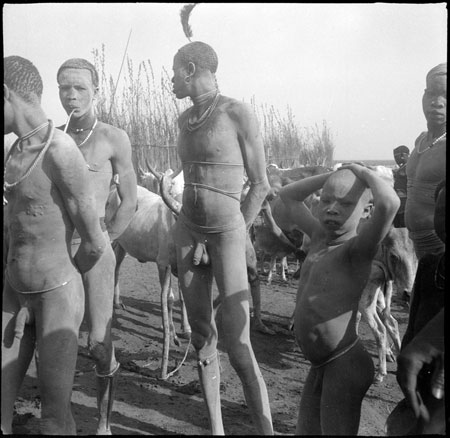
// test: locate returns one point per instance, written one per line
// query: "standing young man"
(107, 152)
(219, 139)
(426, 166)
(48, 195)
(401, 155)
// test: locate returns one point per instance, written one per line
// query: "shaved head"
(439, 70)
(345, 182)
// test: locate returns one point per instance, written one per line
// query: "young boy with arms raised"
(332, 279)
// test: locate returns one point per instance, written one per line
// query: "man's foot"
(186, 334)
(119, 305)
(261, 327)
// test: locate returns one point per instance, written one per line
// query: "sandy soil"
(146, 405)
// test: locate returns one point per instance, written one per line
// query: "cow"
(148, 180)
(270, 239)
(148, 238)
(267, 239)
(395, 265)
(176, 182)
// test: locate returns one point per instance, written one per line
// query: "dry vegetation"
(147, 110)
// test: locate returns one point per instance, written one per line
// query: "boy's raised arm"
(386, 203)
(293, 196)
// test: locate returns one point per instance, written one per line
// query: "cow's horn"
(141, 170)
(164, 187)
(156, 174)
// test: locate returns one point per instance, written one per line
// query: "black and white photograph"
(224, 219)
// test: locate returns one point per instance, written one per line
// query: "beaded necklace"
(193, 126)
(432, 143)
(90, 133)
(78, 130)
(8, 186)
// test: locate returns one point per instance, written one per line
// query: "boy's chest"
(329, 269)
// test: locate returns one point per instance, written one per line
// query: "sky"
(359, 67)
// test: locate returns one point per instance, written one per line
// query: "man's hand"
(425, 348)
(88, 254)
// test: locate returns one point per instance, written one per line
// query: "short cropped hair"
(439, 70)
(200, 54)
(401, 149)
(22, 77)
(80, 63)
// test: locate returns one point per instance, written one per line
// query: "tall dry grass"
(146, 108)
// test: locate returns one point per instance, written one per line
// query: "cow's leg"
(391, 324)
(162, 271)
(255, 287)
(273, 262)
(291, 321)
(368, 309)
(255, 290)
(284, 268)
(164, 276)
(119, 253)
(185, 326)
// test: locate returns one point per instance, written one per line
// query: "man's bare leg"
(235, 310)
(58, 316)
(16, 355)
(99, 290)
(229, 265)
(196, 284)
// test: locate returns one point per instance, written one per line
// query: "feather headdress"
(184, 15)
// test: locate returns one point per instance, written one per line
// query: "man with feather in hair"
(219, 140)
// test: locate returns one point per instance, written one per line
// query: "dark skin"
(41, 215)
(107, 152)
(332, 279)
(230, 135)
(429, 164)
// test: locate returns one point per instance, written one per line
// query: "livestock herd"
(148, 238)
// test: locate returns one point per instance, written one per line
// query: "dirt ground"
(146, 405)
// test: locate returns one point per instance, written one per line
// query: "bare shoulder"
(63, 154)
(240, 112)
(116, 137)
(62, 147)
(237, 107)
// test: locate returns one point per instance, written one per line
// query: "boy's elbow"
(390, 204)
(394, 202)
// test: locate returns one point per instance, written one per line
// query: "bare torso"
(39, 227)
(424, 172)
(98, 152)
(212, 156)
(330, 287)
